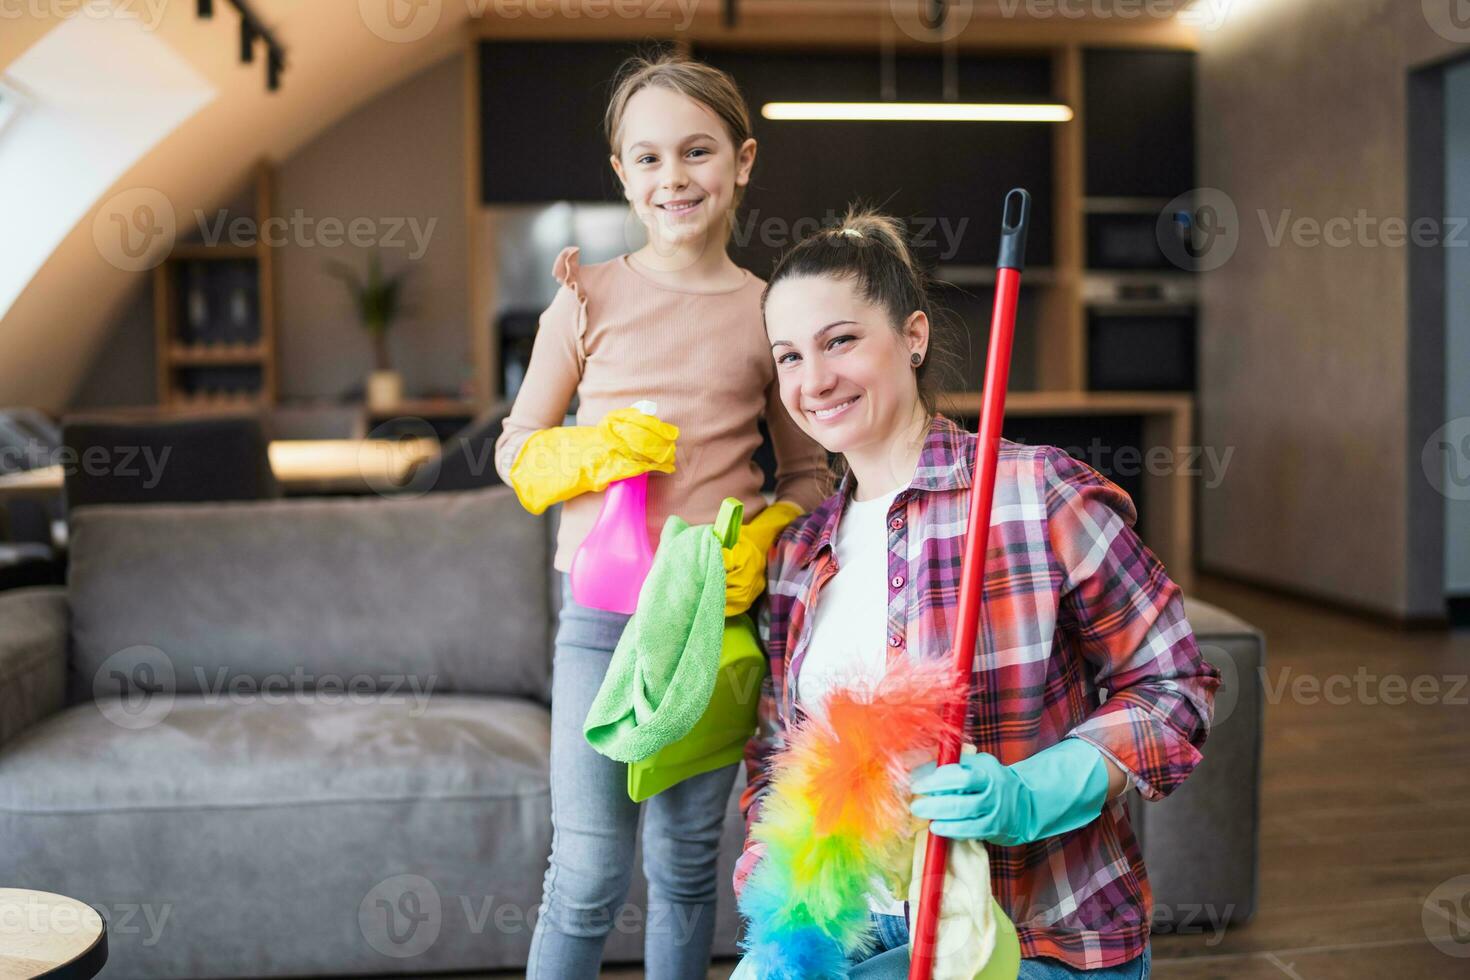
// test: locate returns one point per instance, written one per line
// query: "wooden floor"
(1365, 836)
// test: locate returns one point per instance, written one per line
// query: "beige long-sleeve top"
(614, 336)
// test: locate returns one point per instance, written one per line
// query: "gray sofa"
(310, 736)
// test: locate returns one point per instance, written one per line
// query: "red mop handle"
(972, 571)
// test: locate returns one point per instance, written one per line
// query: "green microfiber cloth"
(662, 674)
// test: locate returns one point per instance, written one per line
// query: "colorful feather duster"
(836, 814)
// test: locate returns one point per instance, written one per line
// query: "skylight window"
(99, 93)
(9, 104)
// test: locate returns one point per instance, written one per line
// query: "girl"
(678, 323)
(1075, 605)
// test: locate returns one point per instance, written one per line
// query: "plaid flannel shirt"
(1075, 607)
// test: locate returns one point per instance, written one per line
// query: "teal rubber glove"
(1058, 789)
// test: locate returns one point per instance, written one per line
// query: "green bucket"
(718, 738)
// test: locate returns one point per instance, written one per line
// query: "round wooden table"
(42, 934)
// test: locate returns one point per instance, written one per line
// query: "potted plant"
(377, 298)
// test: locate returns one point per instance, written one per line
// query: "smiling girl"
(1075, 607)
(678, 323)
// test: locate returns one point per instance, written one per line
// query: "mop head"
(836, 813)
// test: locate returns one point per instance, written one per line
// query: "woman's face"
(679, 168)
(845, 373)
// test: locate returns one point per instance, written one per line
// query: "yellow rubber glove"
(560, 463)
(745, 564)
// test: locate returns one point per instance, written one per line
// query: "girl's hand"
(640, 442)
(560, 463)
(745, 564)
(1055, 791)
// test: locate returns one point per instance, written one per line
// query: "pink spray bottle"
(615, 557)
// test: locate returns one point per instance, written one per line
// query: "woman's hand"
(1055, 791)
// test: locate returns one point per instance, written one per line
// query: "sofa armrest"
(33, 642)
(1201, 845)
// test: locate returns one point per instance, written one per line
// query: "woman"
(1076, 606)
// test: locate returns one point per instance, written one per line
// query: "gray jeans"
(595, 827)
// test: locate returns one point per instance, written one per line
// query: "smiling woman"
(874, 579)
(850, 321)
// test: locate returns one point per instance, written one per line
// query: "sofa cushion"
(449, 589)
(259, 839)
(199, 753)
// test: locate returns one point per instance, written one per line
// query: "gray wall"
(1457, 315)
(397, 159)
(1304, 350)
(401, 156)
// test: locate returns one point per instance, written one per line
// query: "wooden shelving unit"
(1059, 311)
(212, 371)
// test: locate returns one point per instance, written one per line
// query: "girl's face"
(845, 373)
(679, 168)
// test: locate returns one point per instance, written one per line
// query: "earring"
(916, 359)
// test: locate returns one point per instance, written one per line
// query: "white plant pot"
(384, 390)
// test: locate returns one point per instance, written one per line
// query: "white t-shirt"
(849, 638)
